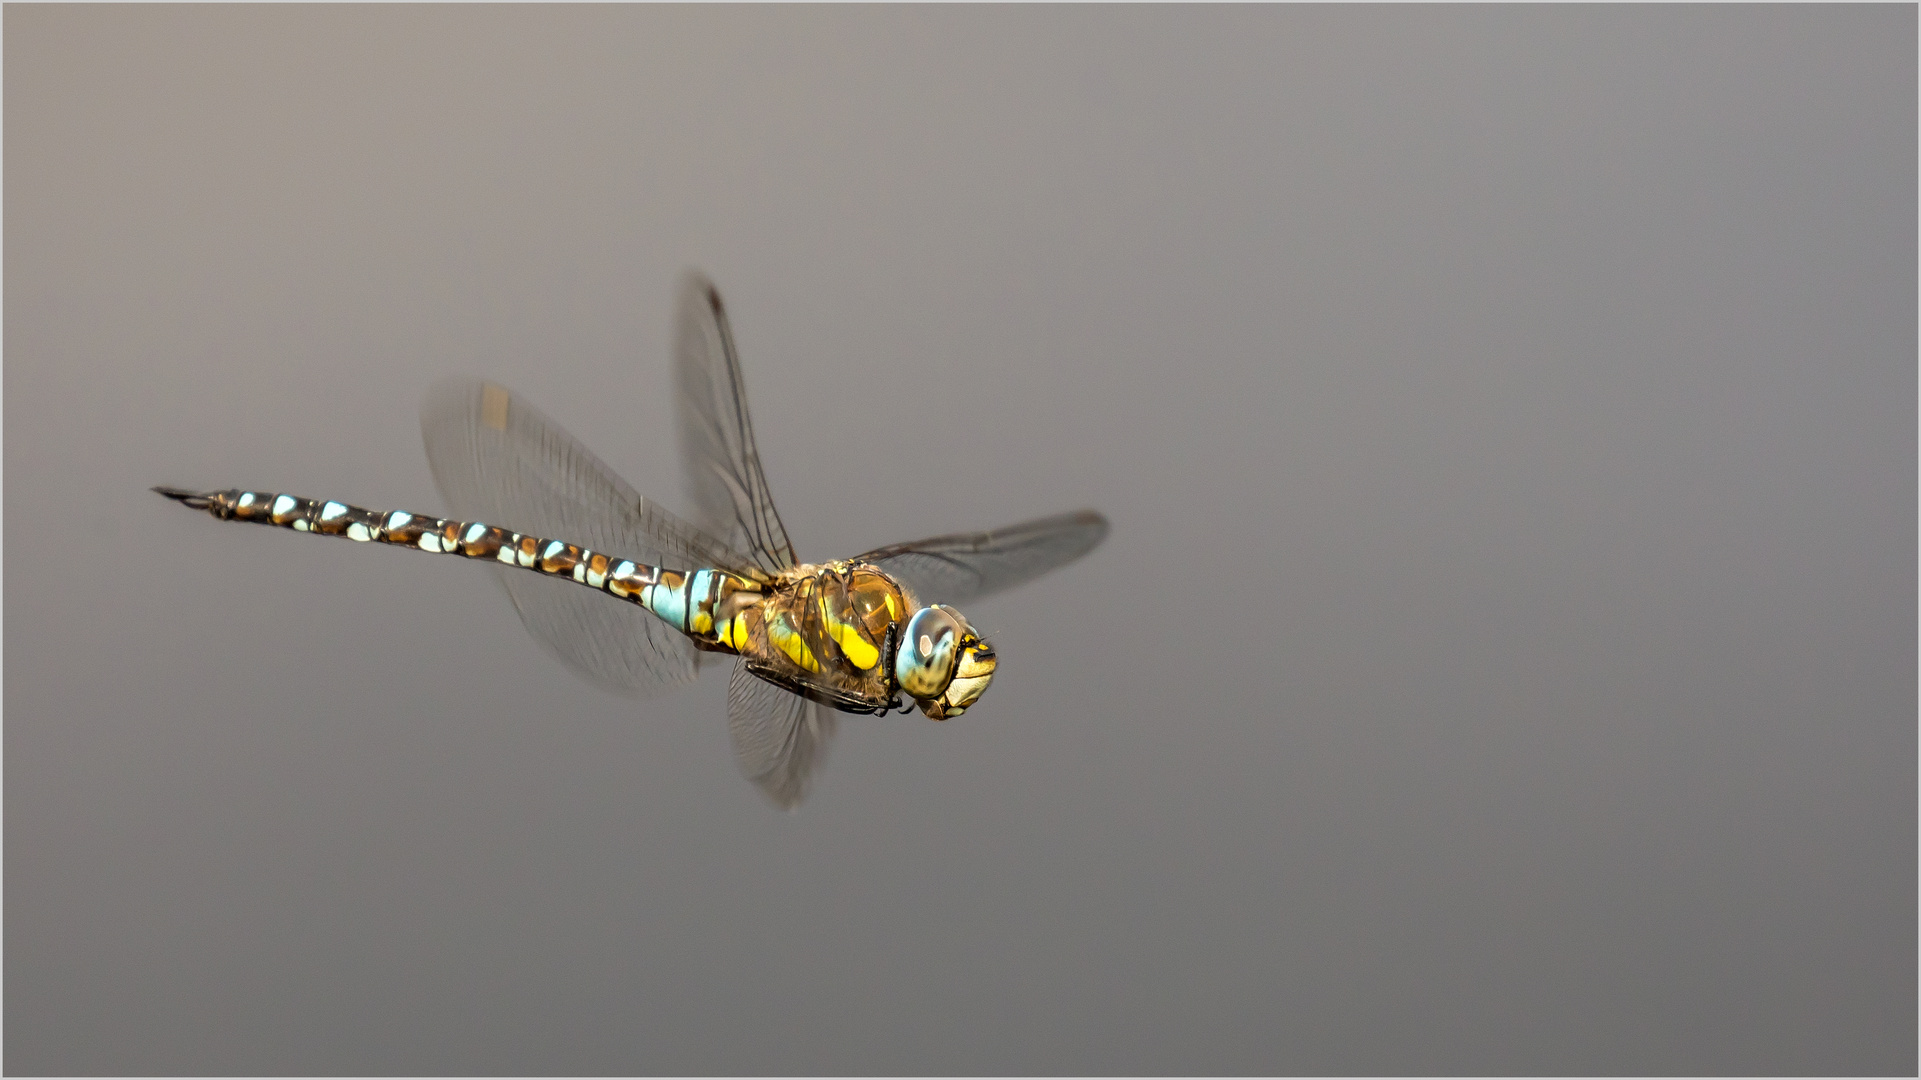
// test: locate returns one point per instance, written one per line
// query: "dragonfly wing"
(966, 566)
(497, 459)
(722, 468)
(618, 647)
(779, 738)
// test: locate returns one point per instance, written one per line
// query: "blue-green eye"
(928, 648)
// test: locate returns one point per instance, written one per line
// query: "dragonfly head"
(941, 663)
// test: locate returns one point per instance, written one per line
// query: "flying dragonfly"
(871, 634)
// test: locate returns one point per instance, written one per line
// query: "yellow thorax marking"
(852, 645)
(790, 643)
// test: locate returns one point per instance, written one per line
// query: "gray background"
(1503, 660)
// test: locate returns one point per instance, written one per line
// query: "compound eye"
(928, 649)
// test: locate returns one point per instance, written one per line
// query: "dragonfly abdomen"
(700, 603)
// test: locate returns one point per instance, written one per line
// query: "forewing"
(966, 566)
(497, 459)
(722, 467)
(780, 738)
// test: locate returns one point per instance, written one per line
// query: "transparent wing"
(722, 468)
(963, 567)
(497, 459)
(779, 738)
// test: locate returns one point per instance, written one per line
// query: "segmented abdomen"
(705, 604)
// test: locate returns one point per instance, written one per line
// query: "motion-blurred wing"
(961, 568)
(779, 738)
(497, 459)
(722, 468)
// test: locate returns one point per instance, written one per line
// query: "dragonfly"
(569, 539)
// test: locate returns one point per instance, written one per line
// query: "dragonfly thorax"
(850, 635)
